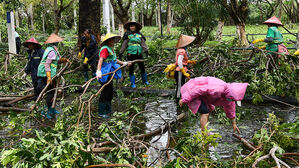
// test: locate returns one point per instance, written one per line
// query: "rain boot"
(102, 110)
(53, 111)
(132, 79)
(46, 114)
(108, 107)
(144, 78)
(85, 76)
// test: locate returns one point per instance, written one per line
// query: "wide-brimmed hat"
(128, 24)
(33, 41)
(184, 40)
(273, 20)
(110, 36)
(53, 38)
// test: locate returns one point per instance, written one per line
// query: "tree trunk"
(17, 19)
(133, 11)
(112, 18)
(75, 18)
(90, 17)
(280, 9)
(159, 16)
(57, 18)
(43, 20)
(121, 29)
(168, 17)
(242, 34)
(106, 13)
(219, 30)
(31, 16)
(142, 16)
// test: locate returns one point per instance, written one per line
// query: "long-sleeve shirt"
(90, 47)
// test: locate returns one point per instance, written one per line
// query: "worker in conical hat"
(134, 44)
(274, 38)
(108, 62)
(35, 54)
(47, 70)
(179, 70)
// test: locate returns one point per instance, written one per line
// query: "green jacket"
(134, 44)
(277, 39)
(41, 72)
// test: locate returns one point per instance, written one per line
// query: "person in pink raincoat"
(202, 94)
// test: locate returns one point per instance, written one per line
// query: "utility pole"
(11, 32)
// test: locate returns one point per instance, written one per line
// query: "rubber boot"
(144, 78)
(46, 114)
(85, 76)
(102, 110)
(108, 108)
(132, 79)
(53, 111)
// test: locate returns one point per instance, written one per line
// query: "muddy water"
(252, 118)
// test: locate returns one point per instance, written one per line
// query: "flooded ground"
(252, 118)
(157, 112)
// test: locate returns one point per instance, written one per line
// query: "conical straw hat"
(53, 38)
(109, 36)
(128, 24)
(33, 41)
(184, 40)
(273, 20)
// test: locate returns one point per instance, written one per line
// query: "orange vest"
(181, 51)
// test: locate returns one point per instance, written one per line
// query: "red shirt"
(104, 53)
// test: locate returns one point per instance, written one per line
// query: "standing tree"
(198, 18)
(121, 9)
(267, 8)
(238, 11)
(291, 8)
(169, 18)
(90, 17)
(58, 12)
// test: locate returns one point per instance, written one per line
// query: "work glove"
(24, 76)
(170, 67)
(125, 63)
(262, 47)
(99, 74)
(49, 80)
(85, 60)
(185, 73)
(296, 53)
(258, 40)
(192, 62)
(79, 55)
(62, 60)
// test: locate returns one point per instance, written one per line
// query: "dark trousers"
(35, 89)
(180, 80)
(93, 65)
(41, 84)
(133, 57)
(107, 93)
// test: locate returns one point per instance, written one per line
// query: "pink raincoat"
(214, 92)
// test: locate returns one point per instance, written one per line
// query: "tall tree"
(58, 11)
(198, 18)
(238, 11)
(169, 18)
(148, 9)
(291, 8)
(121, 9)
(90, 17)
